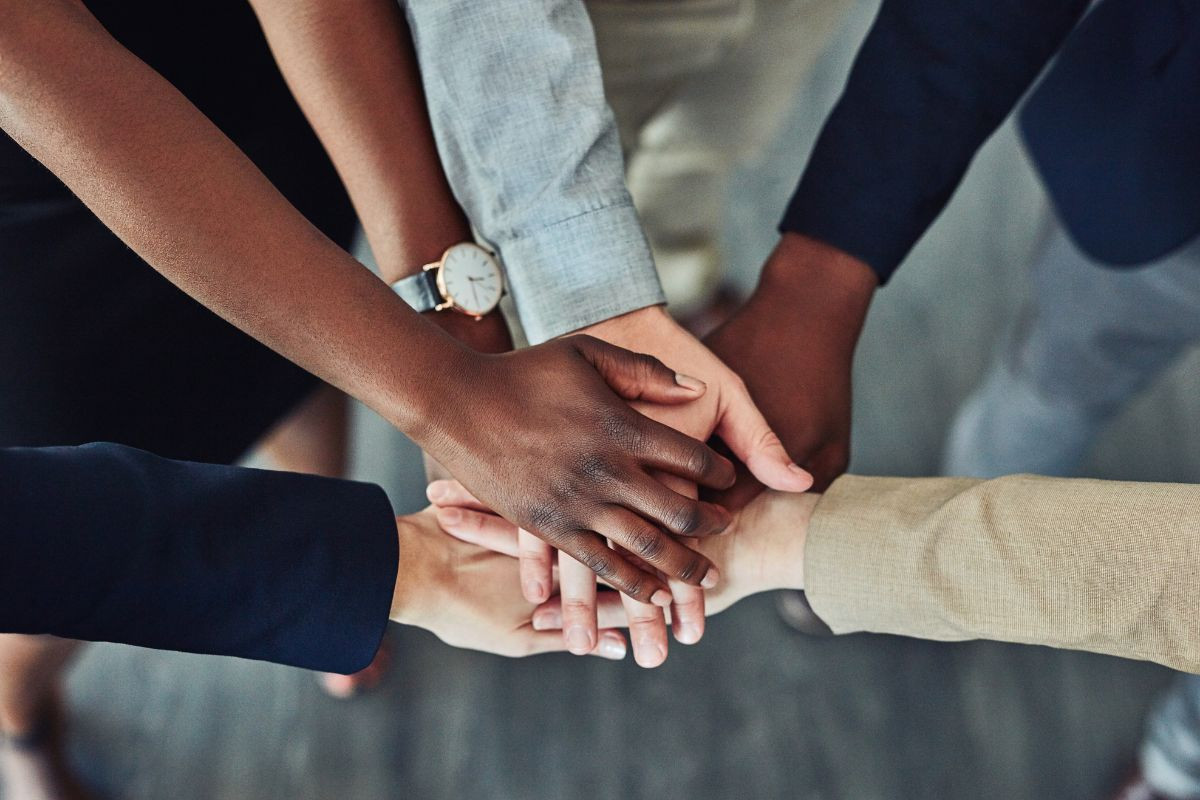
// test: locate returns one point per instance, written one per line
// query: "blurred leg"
(723, 114)
(32, 750)
(1171, 751)
(1090, 338)
(314, 437)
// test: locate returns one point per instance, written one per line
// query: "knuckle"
(690, 570)
(646, 543)
(546, 520)
(598, 562)
(686, 519)
(575, 607)
(635, 586)
(699, 460)
(596, 467)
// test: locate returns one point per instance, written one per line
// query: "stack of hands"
(629, 514)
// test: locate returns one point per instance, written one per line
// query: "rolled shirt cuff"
(580, 271)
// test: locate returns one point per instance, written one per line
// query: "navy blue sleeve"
(933, 79)
(108, 543)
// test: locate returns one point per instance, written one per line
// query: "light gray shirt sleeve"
(530, 148)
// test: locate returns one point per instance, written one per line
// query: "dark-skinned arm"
(930, 84)
(551, 442)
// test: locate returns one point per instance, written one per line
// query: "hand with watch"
(466, 279)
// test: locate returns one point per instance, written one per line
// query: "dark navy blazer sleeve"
(933, 79)
(108, 543)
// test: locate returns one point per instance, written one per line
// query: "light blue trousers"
(1089, 339)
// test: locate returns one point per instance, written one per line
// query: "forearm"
(1080, 564)
(108, 543)
(353, 71)
(531, 150)
(195, 208)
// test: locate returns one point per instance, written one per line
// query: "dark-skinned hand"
(550, 442)
(793, 344)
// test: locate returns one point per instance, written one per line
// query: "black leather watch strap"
(420, 291)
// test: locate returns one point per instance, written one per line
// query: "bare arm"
(178, 192)
(352, 69)
(574, 467)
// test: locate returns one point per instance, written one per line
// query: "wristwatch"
(466, 279)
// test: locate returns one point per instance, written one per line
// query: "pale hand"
(727, 410)
(468, 598)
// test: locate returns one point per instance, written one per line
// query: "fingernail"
(450, 516)
(435, 491)
(661, 598)
(649, 654)
(799, 470)
(612, 647)
(689, 383)
(579, 641)
(535, 591)
(548, 620)
(689, 633)
(711, 578)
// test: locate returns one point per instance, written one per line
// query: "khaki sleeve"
(1105, 566)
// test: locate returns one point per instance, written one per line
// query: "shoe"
(795, 610)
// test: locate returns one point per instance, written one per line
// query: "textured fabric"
(1170, 753)
(532, 153)
(1112, 128)
(1089, 339)
(930, 83)
(108, 543)
(698, 88)
(1107, 567)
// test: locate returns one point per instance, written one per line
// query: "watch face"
(470, 277)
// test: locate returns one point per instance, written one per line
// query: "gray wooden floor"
(753, 711)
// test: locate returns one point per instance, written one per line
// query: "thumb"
(745, 431)
(637, 376)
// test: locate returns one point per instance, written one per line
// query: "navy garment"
(108, 543)
(1114, 128)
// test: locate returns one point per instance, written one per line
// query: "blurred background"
(755, 710)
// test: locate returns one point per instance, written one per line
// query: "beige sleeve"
(1105, 566)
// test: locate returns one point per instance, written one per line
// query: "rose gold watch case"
(448, 302)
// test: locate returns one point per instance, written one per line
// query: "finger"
(637, 376)
(647, 632)
(537, 567)
(665, 449)
(738, 496)
(687, 613)
(486, 530)
(611, 644)
(675, 513)
(452, 493)
(652, 545)
(577, 588)
(744, 429)
(644, 585)
(610, 613)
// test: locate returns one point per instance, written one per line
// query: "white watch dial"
(471, 278)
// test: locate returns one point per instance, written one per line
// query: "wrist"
(630, 324)
(804, 273)
(774, 530)
(416, 577)
(488, 334)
